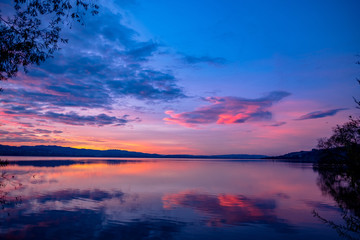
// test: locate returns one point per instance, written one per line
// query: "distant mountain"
(227, 156)
(56, 151)
(302, 156)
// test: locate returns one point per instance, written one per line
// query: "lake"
(94, 198)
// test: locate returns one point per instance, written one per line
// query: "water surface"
(84, 198)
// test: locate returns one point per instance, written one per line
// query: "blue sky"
(199, 77)
(252, 30)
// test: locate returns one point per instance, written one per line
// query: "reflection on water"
(106, 199)
(8, 185)
(343, 185)
(229, 209)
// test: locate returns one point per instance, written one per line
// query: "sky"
(192, 77)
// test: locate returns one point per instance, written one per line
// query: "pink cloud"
(228, 110)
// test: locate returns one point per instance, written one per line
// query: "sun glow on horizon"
(126, 81)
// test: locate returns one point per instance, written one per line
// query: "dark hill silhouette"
(57, 151)
(302, 156)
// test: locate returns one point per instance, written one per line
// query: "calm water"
(80, 198)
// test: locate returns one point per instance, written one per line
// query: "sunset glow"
(225, 79)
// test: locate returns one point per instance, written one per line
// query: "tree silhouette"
(358, 80)
(343, 147)
(33, 33)
(357, 101)
(339, 175)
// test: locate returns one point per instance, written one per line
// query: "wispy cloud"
(73, 118)
(321, 114)
(93, 71)
(29, 136)
(204, 59)
(147, 85)
(228, 110)
(45, 131)
(141, 51)
(70, 118)
(277, 124)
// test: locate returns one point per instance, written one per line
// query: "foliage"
(358, 80)
(344, 135)
(3, 163)
(343, 146)
(357, 101)
(32, 34)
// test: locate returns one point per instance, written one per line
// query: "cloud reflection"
(71, 194)
(229, 209)
(70, 214)
(87, 224)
